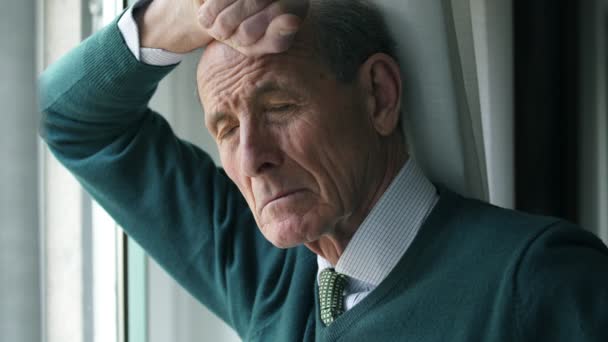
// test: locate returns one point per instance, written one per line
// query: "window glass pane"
(80, 282)
(64, 308)
(137, 293)
(104, 283)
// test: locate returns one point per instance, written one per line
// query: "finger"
(210, 10)
(253, 28)
(228, 21)
(278, 37)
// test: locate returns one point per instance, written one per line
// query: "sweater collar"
(388, 230)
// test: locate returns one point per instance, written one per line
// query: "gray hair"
(347, 33)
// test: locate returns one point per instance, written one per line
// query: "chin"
(292, 232)
(295, 220)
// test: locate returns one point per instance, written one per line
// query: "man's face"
(294, 140)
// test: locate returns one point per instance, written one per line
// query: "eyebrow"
(215, 118)
(268, 87)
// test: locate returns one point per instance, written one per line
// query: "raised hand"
(253, 27)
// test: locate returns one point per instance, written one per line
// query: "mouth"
(280, 196)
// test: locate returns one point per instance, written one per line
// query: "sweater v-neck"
(400, 275)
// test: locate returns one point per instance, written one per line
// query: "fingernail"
(287, 33)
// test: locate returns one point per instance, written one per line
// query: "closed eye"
(227, 133)
(281, 108)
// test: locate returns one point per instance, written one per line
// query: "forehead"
(224, 74)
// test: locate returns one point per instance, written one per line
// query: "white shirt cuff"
(130, 32)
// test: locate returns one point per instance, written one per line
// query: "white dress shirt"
(130, 32)
(385, 234)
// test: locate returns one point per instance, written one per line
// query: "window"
(80, 243)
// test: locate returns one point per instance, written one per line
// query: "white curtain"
(457, 94)
(593, 124)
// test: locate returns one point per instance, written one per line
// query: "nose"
(260, 150)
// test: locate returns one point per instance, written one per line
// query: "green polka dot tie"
(331, 289)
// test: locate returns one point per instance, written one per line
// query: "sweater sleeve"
(562, 287)
(167, 194)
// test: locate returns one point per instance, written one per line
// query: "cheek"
(333, 151)
(231, 166)
(308, 145)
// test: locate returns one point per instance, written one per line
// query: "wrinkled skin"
(303, 148)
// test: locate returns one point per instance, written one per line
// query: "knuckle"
(209, 13)
(243, 40)
(248, 33)
(217, 34)
(246, 29)
(222, 28)
(212, 10)
(206, 19)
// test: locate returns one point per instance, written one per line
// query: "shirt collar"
(389, 229)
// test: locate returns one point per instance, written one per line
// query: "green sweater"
(474, 272)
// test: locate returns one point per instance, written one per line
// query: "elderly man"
(304, 102)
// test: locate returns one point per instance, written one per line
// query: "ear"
(380, 80)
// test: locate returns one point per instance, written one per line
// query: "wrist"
(158, 32)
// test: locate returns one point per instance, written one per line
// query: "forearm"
(94, 94)
(161, 190)
(100, 81)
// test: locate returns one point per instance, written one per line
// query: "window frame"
(85, 258)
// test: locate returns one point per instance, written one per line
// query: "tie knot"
(331, 289)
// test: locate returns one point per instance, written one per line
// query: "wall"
(457, 69)
(492, 23)
(433, 93)
(19, 258)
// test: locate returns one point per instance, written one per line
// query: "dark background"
(547, 95)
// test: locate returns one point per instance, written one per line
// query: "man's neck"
(332, 246)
